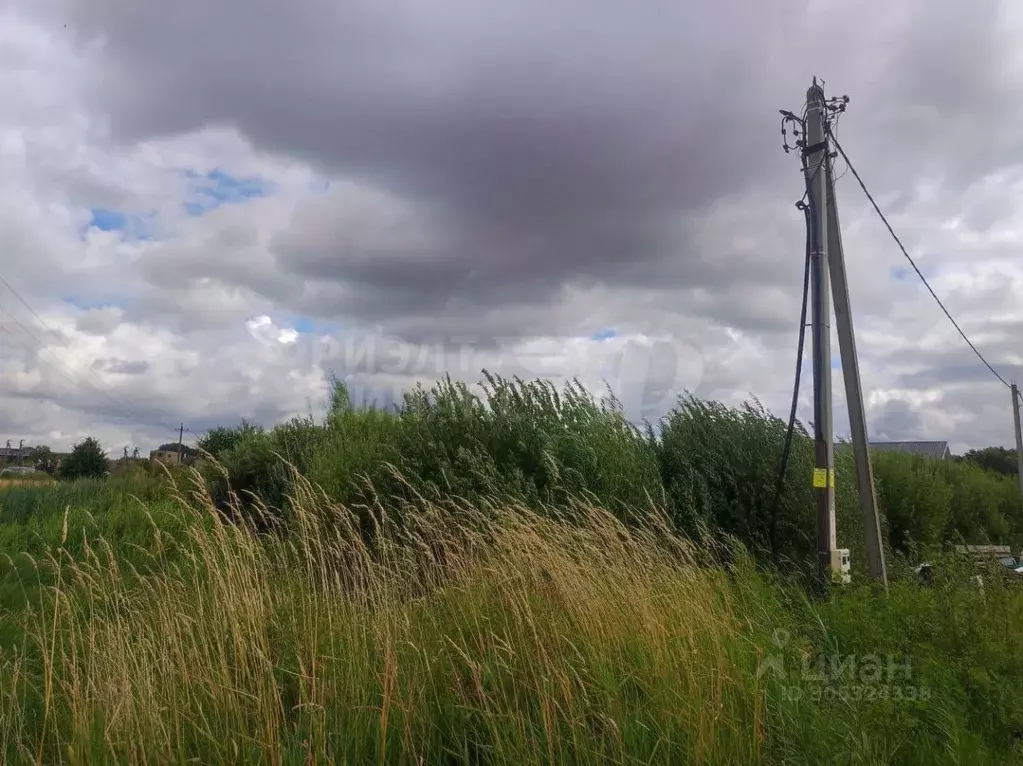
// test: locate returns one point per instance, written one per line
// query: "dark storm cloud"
(514, 115)
(555, 144)
(548, 145)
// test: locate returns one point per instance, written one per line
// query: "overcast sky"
(208, 206)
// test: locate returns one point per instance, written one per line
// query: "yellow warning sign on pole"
(823, 477)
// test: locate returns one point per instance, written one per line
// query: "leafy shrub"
(219, 440)
(720, 467)
(258, 468)
(931, 502)
(527, 441)
(519, 441)
(915, 496)
(87, 460)
(356, 448)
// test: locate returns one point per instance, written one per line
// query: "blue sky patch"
(108, 220)
(87, 305)
(127, 225)
(607, 334)
(217, 187)
(305, 325)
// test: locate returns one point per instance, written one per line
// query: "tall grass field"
(517, 576)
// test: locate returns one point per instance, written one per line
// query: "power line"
(60, 339)
(789, 431)
(69, 374)
(902, 247)
(75, 383)
(21, 343)
(42, 348)
(33, 311)
(102, 388)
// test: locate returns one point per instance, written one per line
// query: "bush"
(720, 471)
(217, 441)
(915, 497)
(932, 502)
(520, 441)
(258, 468)
(352, 458)
(87, 460)
(525, 441)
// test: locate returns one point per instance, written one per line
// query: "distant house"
(934, 450)
(175, 454)
(166, 456)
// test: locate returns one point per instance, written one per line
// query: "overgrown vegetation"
(709, 466)
(511, 576)
(998, 459)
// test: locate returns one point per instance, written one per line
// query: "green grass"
(36, 520)
(487, 634)
(521, 577)
(26, 478)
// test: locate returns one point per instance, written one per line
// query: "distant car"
(1012, 563)
(925, 571)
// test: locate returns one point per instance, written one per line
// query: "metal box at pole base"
(841, 566)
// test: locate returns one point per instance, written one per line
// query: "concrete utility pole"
(823, 430)
(1019, 439)
(854, 390)
(181, 438)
